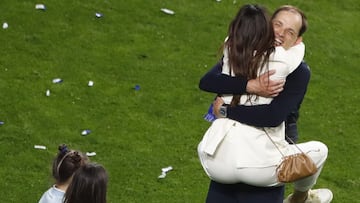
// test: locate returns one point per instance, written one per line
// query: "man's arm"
(216, 82)
(276, 112)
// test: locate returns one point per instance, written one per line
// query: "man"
(289, 24)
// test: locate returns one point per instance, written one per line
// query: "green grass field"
(135, 133)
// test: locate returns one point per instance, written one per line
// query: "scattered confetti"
(90, 153)
(167, 11)
(39, 147)
(57, 80)
(90, 83)
(40, 7)
(137, 87)
(85, 132)
(5, 25)
(99, 15)
(210, 116)
(164, 171)
(47, 93)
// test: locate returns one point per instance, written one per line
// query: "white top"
(251, 146)
(52, 195)
(283, 61)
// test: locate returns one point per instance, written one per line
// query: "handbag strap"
(282, 154)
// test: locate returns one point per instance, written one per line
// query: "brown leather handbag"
(294, 167)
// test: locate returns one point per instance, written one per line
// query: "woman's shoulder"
(297, 50)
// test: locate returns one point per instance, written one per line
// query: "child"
(64, 165)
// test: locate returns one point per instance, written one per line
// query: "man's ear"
(298, 40)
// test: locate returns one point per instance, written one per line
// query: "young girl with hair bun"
(65, 164)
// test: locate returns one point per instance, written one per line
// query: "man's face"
(286, 28)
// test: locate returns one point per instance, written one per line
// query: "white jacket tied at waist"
(248, 146)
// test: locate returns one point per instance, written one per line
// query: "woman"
(89, 185)
(64, 165)
(241, 153)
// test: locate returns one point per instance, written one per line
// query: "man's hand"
(263, 86)
(216, 106)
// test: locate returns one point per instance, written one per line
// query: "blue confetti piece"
(210, 116)
(137, 87)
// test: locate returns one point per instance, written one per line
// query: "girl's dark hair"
(250, 42)
(89, 185)
(66, 163)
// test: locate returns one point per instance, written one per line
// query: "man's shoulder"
(302, 68)
(303, 64)
(302, 72)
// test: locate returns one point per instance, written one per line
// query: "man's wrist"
(251, 86)
(223, 111)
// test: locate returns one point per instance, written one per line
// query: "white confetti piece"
(40, 7)
(167, 169)
(163, 175)
(57, 80)
(5, 25)
(99, 15)
(167, 11)
(164, 171)
(39, 147)
(90, 83)
(85, 132)
(90, 153)
(47, 93)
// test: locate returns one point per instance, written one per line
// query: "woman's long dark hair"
(250, 42)
(89, 185)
